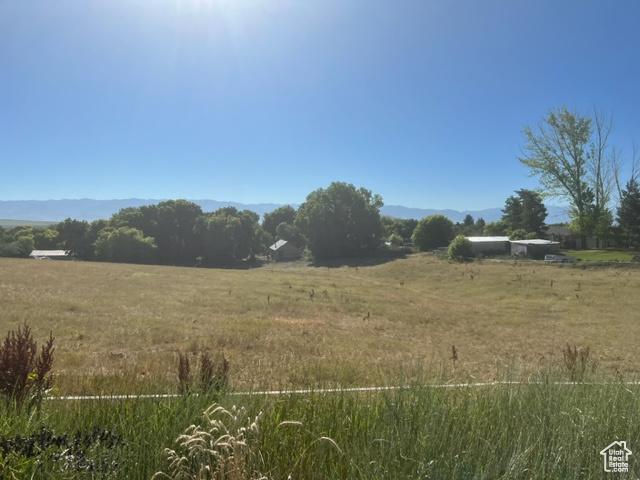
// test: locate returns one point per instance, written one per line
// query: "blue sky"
(420, 101)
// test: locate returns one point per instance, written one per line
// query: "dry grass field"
(285, 325)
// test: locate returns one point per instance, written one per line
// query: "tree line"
(568, 151)
(338, 221)
(334, 222)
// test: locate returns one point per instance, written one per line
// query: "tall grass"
(536, 431)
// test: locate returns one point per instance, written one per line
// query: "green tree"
(290, 233)
(173, 229)
(228, 235)
(433, 231)
(171, 223)
(569, 153)
(628, 215)
(512, 213)
(73, 236)
(19, 242)
(45, 238)
(125, 245)
(284, 214)
(401, 228)
(525, 212)
(499, 228)
(468, 227)
(468, 221)
(340, 221)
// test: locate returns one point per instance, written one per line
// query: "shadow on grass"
(376, 258)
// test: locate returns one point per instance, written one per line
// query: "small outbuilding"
(50, 255)
(489, 245)
(283, 251)
(535, 248)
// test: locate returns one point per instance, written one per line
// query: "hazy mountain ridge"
(89, 209)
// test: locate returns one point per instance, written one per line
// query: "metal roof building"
(282, 250)
(534, 248)
(50, 254)
(485, 245)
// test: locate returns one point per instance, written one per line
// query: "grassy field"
(118, 329)
(294, 325)
(10, 223)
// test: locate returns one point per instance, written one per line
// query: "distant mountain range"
(88, 209)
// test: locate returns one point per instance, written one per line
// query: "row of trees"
(339, 221)
(174, 232)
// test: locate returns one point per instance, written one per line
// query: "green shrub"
(459, 249)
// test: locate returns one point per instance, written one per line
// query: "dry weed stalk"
(23, 373)
(210, 378)
(207, 375)
(222, 450)
(184, 373)
(577, 362)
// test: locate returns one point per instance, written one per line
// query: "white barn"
(489, 245)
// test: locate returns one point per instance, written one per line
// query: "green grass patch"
(602, 255)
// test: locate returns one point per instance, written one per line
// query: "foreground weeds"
(539, 430)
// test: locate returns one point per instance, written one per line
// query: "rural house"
(282, 251)
(562, 234)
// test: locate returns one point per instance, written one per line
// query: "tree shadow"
(377, 258)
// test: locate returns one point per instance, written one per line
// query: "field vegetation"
(294, 325)
(418, 322)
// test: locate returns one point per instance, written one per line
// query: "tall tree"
(227, 235)
(573, 161)
(628, 215)
(525, 212)
(73, 236)
(284, 214)
(340, 221)
(433, 231)
(173, 229)
(512, 212)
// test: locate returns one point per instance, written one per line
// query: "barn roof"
(487, 239)
(278, 244)
(49, 253)
(535, 241)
